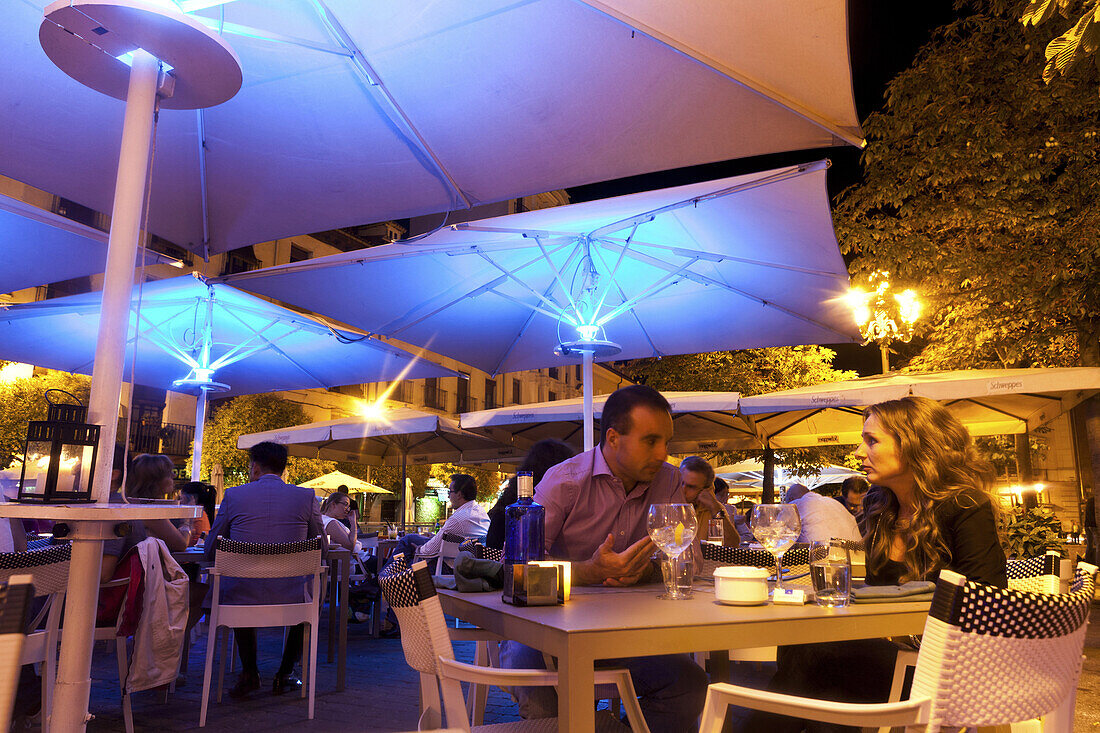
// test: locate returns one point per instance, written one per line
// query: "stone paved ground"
(382, 692)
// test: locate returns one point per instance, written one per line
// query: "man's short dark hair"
(617, 409)
(698, 465)
(269, 456)
(857, 483)
(342, 489)
(464, 484)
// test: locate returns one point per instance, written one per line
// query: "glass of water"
(831, 572)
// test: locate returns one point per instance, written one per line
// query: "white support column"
(118, 280)
(589, 432)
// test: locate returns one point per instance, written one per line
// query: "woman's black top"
(969, 530)
(495, 536)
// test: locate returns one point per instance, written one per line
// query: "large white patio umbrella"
(702, 421)
(394, 438)
(742, 262)
(751, 472)
(987, 401)
(356, 111)
(190, 335)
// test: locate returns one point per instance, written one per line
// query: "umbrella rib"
(991, 408)
(204, 193)
(373, 80)
(648, 216)
(531, 317)
(398, 325)
(704, 280)
(272, 345)
(844, 133)
(510, 275)
(615, 270)
(557, 277)
(716, 257)
(654, 288)
(261, 34)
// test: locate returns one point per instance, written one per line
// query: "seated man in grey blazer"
(266, 510)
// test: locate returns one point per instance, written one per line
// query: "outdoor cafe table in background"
(339, 578)
(89, 525)
(607, 623)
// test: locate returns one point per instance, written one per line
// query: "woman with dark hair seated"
(929, 508)
(196, 493)
(543, 456)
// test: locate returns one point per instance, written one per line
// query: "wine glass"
(776, 527)
(672, 528)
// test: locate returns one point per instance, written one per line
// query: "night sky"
(884, 38)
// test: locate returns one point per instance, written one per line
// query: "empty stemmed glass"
(776, 527)
(672, 528)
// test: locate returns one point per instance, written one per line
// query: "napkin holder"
(534, 584)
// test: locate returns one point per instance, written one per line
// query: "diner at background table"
(822, 518)
(543, 455)
(929, 508)
(698, 480)
(468, 521)
(266, 510)
(596, 506)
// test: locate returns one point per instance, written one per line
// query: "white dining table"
(608, 623)
(89, 525)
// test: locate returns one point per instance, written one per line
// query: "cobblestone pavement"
(381, 694)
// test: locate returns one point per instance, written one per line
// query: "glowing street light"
(883, 316)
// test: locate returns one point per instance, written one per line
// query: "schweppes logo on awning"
(833, 439)
(825, 399)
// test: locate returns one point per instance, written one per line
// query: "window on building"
(490, 394)
(579, 374)
(76, 212)
(164, 247)
(462, 393)
(297, 254)
(553, 372)
(240, 260)
(433, 395)
(517, 392)
(551, 395)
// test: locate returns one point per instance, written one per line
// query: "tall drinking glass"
(672, 528)
(776, 527)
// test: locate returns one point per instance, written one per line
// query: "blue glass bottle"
(523, 524)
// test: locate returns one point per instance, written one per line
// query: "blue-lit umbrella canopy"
(355, 111)
(196, 336)
(701, 421)
(742, 262)
(986, 401)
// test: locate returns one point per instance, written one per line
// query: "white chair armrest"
(496, 676)
(908, 712)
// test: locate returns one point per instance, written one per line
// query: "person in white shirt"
(822, 518)
(468, 520)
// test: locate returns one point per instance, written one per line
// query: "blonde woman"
(929, 508)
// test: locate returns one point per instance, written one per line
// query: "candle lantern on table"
(59, 455)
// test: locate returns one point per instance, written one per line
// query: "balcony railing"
(173, 439)
(435, 398)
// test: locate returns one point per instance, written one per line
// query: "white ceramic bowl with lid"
(737, 585)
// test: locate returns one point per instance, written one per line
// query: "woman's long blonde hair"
(937, 449)
(146, 473)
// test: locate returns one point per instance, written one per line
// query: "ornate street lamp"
(883, 316)
(61, 450)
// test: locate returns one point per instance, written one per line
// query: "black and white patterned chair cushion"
(480, 551)
(41, 543)
(267, 548)
(453, 538)
(398, 585)
(737, 555)
(984, 609)
(35, 558)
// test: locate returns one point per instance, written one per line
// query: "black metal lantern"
(59, 455)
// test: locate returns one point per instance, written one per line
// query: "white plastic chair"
(15, 598)
(989, 656)
(427, 645)
(49, 572)
(234, 559)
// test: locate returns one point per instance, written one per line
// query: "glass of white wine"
(672, 527)
(776, 527)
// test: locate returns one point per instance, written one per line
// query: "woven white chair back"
(992, 656)
(267, 560)
(49, 567)
(1035, 574)
(411, 594)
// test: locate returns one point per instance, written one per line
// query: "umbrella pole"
(404, 488)
(118, 279)
(768, 496)
(70, 711)
(200, 421)
(586, 375)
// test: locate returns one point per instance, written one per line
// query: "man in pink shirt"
(596, 506)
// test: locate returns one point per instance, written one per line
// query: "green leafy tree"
(1078, 42)
(253, 414)
(23, 400)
